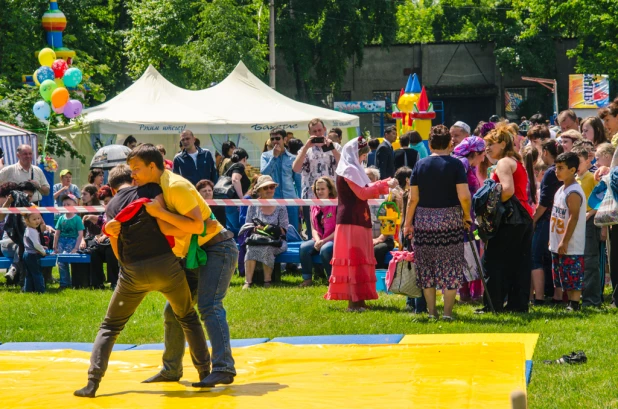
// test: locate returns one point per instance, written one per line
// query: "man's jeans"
(307, 251)
(212, 284)
(163, 274)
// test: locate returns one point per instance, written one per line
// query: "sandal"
(447, 318)
(247, 285)
(267, 284)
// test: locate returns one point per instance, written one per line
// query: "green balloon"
(46, 89)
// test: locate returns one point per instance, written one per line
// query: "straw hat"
(264, 180)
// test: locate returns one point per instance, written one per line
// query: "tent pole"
(271, 43)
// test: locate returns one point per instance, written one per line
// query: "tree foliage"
(319, 37)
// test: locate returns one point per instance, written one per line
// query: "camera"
(317, 139)
(327, 148)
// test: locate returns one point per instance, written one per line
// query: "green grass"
(74, 315)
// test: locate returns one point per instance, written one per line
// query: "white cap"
(462, 125)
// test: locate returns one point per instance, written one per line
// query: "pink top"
(323, 220)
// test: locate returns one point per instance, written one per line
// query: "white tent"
(240, 104)
(241, 108)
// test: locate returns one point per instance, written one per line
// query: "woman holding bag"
(240, 185)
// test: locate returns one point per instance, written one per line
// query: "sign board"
(360, 107)
(587, 91)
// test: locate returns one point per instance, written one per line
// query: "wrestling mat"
(415, 371)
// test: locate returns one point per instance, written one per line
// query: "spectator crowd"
(547, 248)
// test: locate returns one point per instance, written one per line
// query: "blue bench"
(50, 260)
(292, 255)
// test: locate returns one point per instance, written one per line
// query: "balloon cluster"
(53, 78)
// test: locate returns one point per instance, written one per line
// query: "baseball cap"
(70, 196)
(64, 172)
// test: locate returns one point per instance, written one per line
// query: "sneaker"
(578, 357)
(306, 283)
(10, 274)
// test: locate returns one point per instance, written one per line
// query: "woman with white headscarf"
(353, 275)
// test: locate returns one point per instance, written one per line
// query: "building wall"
(462, 76)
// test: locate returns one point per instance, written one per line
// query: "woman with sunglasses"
(273, 215)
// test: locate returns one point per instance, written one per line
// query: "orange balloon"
(59, 97)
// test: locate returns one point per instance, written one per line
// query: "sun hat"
(64, 172)
(264, 180)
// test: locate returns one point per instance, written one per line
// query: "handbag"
(266, 235)
(404, 280)
(471, 254)
(224, 189)
(607, 214)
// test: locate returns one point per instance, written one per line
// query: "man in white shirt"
(24, 171)
(318, 157)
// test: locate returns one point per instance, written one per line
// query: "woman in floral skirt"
(353, 275)
(438, 211)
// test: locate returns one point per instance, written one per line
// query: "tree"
(318, 38)
(226, 32)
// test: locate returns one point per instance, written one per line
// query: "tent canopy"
(11, 137)
(240, 104)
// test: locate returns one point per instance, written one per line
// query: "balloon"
(46, 89)
(41, 110)
(44, 73)
(59, 67)
(59, 97)
(58, 110)
(35, 79)
(72, 77)
(59, 82)
(47, 57)
(73, 108)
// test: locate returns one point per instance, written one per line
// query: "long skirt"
(353, 276)
(439, 247)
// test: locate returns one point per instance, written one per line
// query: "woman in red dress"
(353, 276)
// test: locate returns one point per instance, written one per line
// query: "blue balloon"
(42, 110)
(72, 77)
(44, 73)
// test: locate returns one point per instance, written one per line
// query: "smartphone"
(317, 139)
(326, 148)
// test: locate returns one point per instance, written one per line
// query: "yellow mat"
(529, 340)
(277, 375)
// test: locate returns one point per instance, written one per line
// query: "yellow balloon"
(59, 82)
(47, 56)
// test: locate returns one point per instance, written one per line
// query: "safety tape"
(211, 202)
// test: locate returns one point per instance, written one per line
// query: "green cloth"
(196, 256)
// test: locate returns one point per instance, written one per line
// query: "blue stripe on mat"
(528, 371)
(236, 343)
(341, 339)
(40, 346)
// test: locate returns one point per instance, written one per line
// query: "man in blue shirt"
(278, 163)
(194, 163)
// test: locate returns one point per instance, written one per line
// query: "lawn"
(284, 310)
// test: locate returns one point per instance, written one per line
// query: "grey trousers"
(163, 274)
(592, 293)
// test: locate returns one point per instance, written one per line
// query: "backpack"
(488, 208)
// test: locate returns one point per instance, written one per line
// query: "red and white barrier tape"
(211, 202)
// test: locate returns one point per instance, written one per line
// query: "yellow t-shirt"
(587, 182)
(181, 197)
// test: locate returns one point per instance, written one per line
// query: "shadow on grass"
(249, 389)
